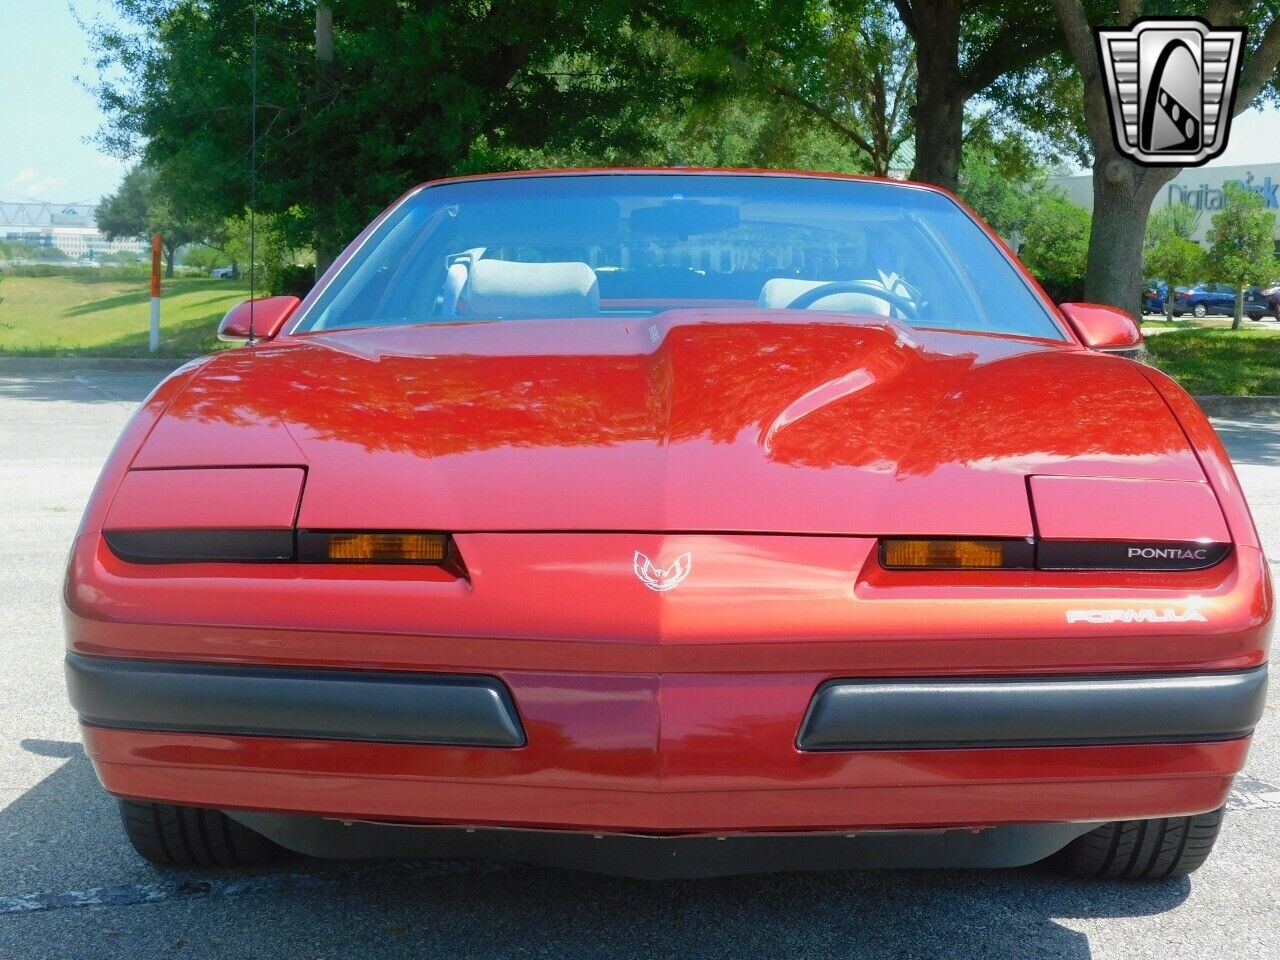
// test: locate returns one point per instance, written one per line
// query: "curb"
(1223, 405)
(66, 365)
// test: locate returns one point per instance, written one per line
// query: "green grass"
(1236, 362)
(93, 313)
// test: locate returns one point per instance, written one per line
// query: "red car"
(672, 523)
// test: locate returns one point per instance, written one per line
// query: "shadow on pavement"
(80, 386)
(68, 825)
(1254, 441)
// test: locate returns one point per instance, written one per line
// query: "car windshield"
(619, 246)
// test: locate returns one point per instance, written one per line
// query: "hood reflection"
(817, 394)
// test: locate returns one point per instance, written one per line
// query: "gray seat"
(778, 294)
(507, 288)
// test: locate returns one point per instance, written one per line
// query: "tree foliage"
(1006, 193)
(268, 252)
(1241, 243)
(142, 205)
(1176, 260)
(851, 68)
(1056, 243)
(410, 93)
(1176, 220)
(967, 49)
(1123, 189)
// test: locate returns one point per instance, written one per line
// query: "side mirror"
(269, 315)
(1108, 329)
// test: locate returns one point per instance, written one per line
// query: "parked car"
(804, 533)
(223, 273)
(1153, 295)
(1271, 299)
(1219, 298)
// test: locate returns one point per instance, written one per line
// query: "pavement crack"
(1250, 794)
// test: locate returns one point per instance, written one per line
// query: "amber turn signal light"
(956, 554)
(342, 546)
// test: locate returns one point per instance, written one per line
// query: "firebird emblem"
(655, 578)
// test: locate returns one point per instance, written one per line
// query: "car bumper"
(681, 754)
(655, 857)
(573, 713)
(843, 715)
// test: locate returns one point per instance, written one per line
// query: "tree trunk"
(168, 261)
(939, 108)
(1122, 196)
(1238, 320)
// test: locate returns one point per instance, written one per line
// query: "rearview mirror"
(269, 315)
(1104, 328)
(685, 218)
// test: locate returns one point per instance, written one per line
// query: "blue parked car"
(1219, 298)
(1153, 294)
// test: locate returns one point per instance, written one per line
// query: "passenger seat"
(509, 288)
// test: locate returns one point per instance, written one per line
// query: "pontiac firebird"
(671, 523)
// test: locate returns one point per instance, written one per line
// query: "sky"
(47, 116)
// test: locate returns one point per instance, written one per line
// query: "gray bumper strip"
(1040, 711)
(289, 702)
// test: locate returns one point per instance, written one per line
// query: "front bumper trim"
(1037, 711)
(315, 704)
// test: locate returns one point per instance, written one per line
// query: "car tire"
(1200, 310)
(1143, 849)
(174, 836)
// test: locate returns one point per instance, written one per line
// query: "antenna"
(253, 171)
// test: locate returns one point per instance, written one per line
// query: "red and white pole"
(157, 245)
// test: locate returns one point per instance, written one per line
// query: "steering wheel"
(810, 297)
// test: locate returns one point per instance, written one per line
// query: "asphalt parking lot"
(71, 887)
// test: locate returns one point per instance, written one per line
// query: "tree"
(963, 48)
(1176, 220)
(1175, 260)
(1241, 244)
(717, 109)
(1004, 192)
(1123, 190)
(1056, 244)
(271, 252)
(140, 207)
(410, 91)
(852, 70)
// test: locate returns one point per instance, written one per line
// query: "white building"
(69, 227)
(1199, 188)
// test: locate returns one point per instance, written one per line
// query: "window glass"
(622, 245)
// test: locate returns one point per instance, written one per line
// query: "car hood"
(686, 421)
